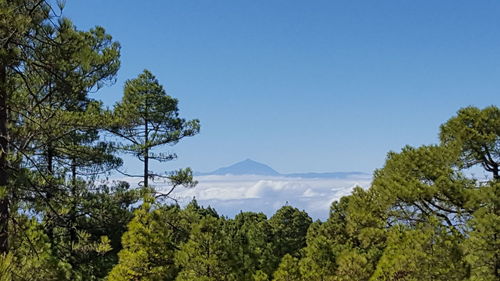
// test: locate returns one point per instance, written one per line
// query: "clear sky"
(306, 86)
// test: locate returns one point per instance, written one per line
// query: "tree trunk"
(74, 200)
(4, 149)
(50, 160)
(49, 187)
(146, 155)
(73, 237)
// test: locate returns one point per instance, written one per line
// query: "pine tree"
(425, 253)
(251, 246)
(150, 243)
(47, 68)
(288, 269)
(149, 118)
(290, 229)
(205, 255)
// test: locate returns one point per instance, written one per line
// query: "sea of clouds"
(231, 194)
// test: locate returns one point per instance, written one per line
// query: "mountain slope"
(246, 167)
(250, 167)
(335, 175)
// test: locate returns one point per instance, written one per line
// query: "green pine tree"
(149, 118)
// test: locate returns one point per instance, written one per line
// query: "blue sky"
(306, 85)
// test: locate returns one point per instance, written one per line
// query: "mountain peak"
(247, 167)
(251, 167)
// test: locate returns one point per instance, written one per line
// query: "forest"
(431, 212)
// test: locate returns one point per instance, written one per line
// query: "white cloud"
(231, 194)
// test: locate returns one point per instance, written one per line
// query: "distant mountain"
(245, 167)
(336, 175)
(250, 167)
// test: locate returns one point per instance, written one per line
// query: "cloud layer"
(230, 194)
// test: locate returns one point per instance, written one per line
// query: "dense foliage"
(427, 215)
